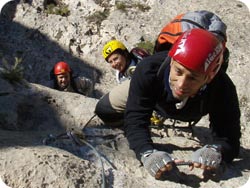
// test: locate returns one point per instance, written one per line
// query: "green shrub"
(61, 10)
(146, 45)
(12, 73)
(142, 7)
(123, 7)
(98, 17)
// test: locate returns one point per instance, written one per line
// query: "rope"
(82, 142)
(70, 134)
(89, 121)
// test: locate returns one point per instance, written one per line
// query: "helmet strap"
(213, 73)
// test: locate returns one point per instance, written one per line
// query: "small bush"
(98, 17)
(12, 73)
(61, 10)
(147, 45)
(142, 7)
(123, 7)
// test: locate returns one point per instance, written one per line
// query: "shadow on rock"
(224, 172)
(38, 52)
(239, 165)
(172, 147)
(177, 176)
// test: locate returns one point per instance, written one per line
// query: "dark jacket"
(149, 89)
(78, 84)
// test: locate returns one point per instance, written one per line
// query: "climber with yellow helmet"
(124, 62)
(63, 80)
(111, 106)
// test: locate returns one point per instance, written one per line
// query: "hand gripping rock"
(209, 155)
(154, 160)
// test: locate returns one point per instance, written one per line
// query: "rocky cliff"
(42, 32)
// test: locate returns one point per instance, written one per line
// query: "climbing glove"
(208, 155)
(156, 162)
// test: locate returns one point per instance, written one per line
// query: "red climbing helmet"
(61, 67)
(198, 50)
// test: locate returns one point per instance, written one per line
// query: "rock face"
(29, 112)
(35, 107)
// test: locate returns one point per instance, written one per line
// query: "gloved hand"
(157, 162)
(207, 157)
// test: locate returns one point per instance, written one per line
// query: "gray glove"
(154, 160)
(209, 155)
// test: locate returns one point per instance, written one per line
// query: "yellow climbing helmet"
(112, 46)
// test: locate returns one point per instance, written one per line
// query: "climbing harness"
(158, 123)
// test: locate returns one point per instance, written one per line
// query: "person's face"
(63, 80)
(184, 82)
(117, 61)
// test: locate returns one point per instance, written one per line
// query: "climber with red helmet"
(186, 83)
(63, 80)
